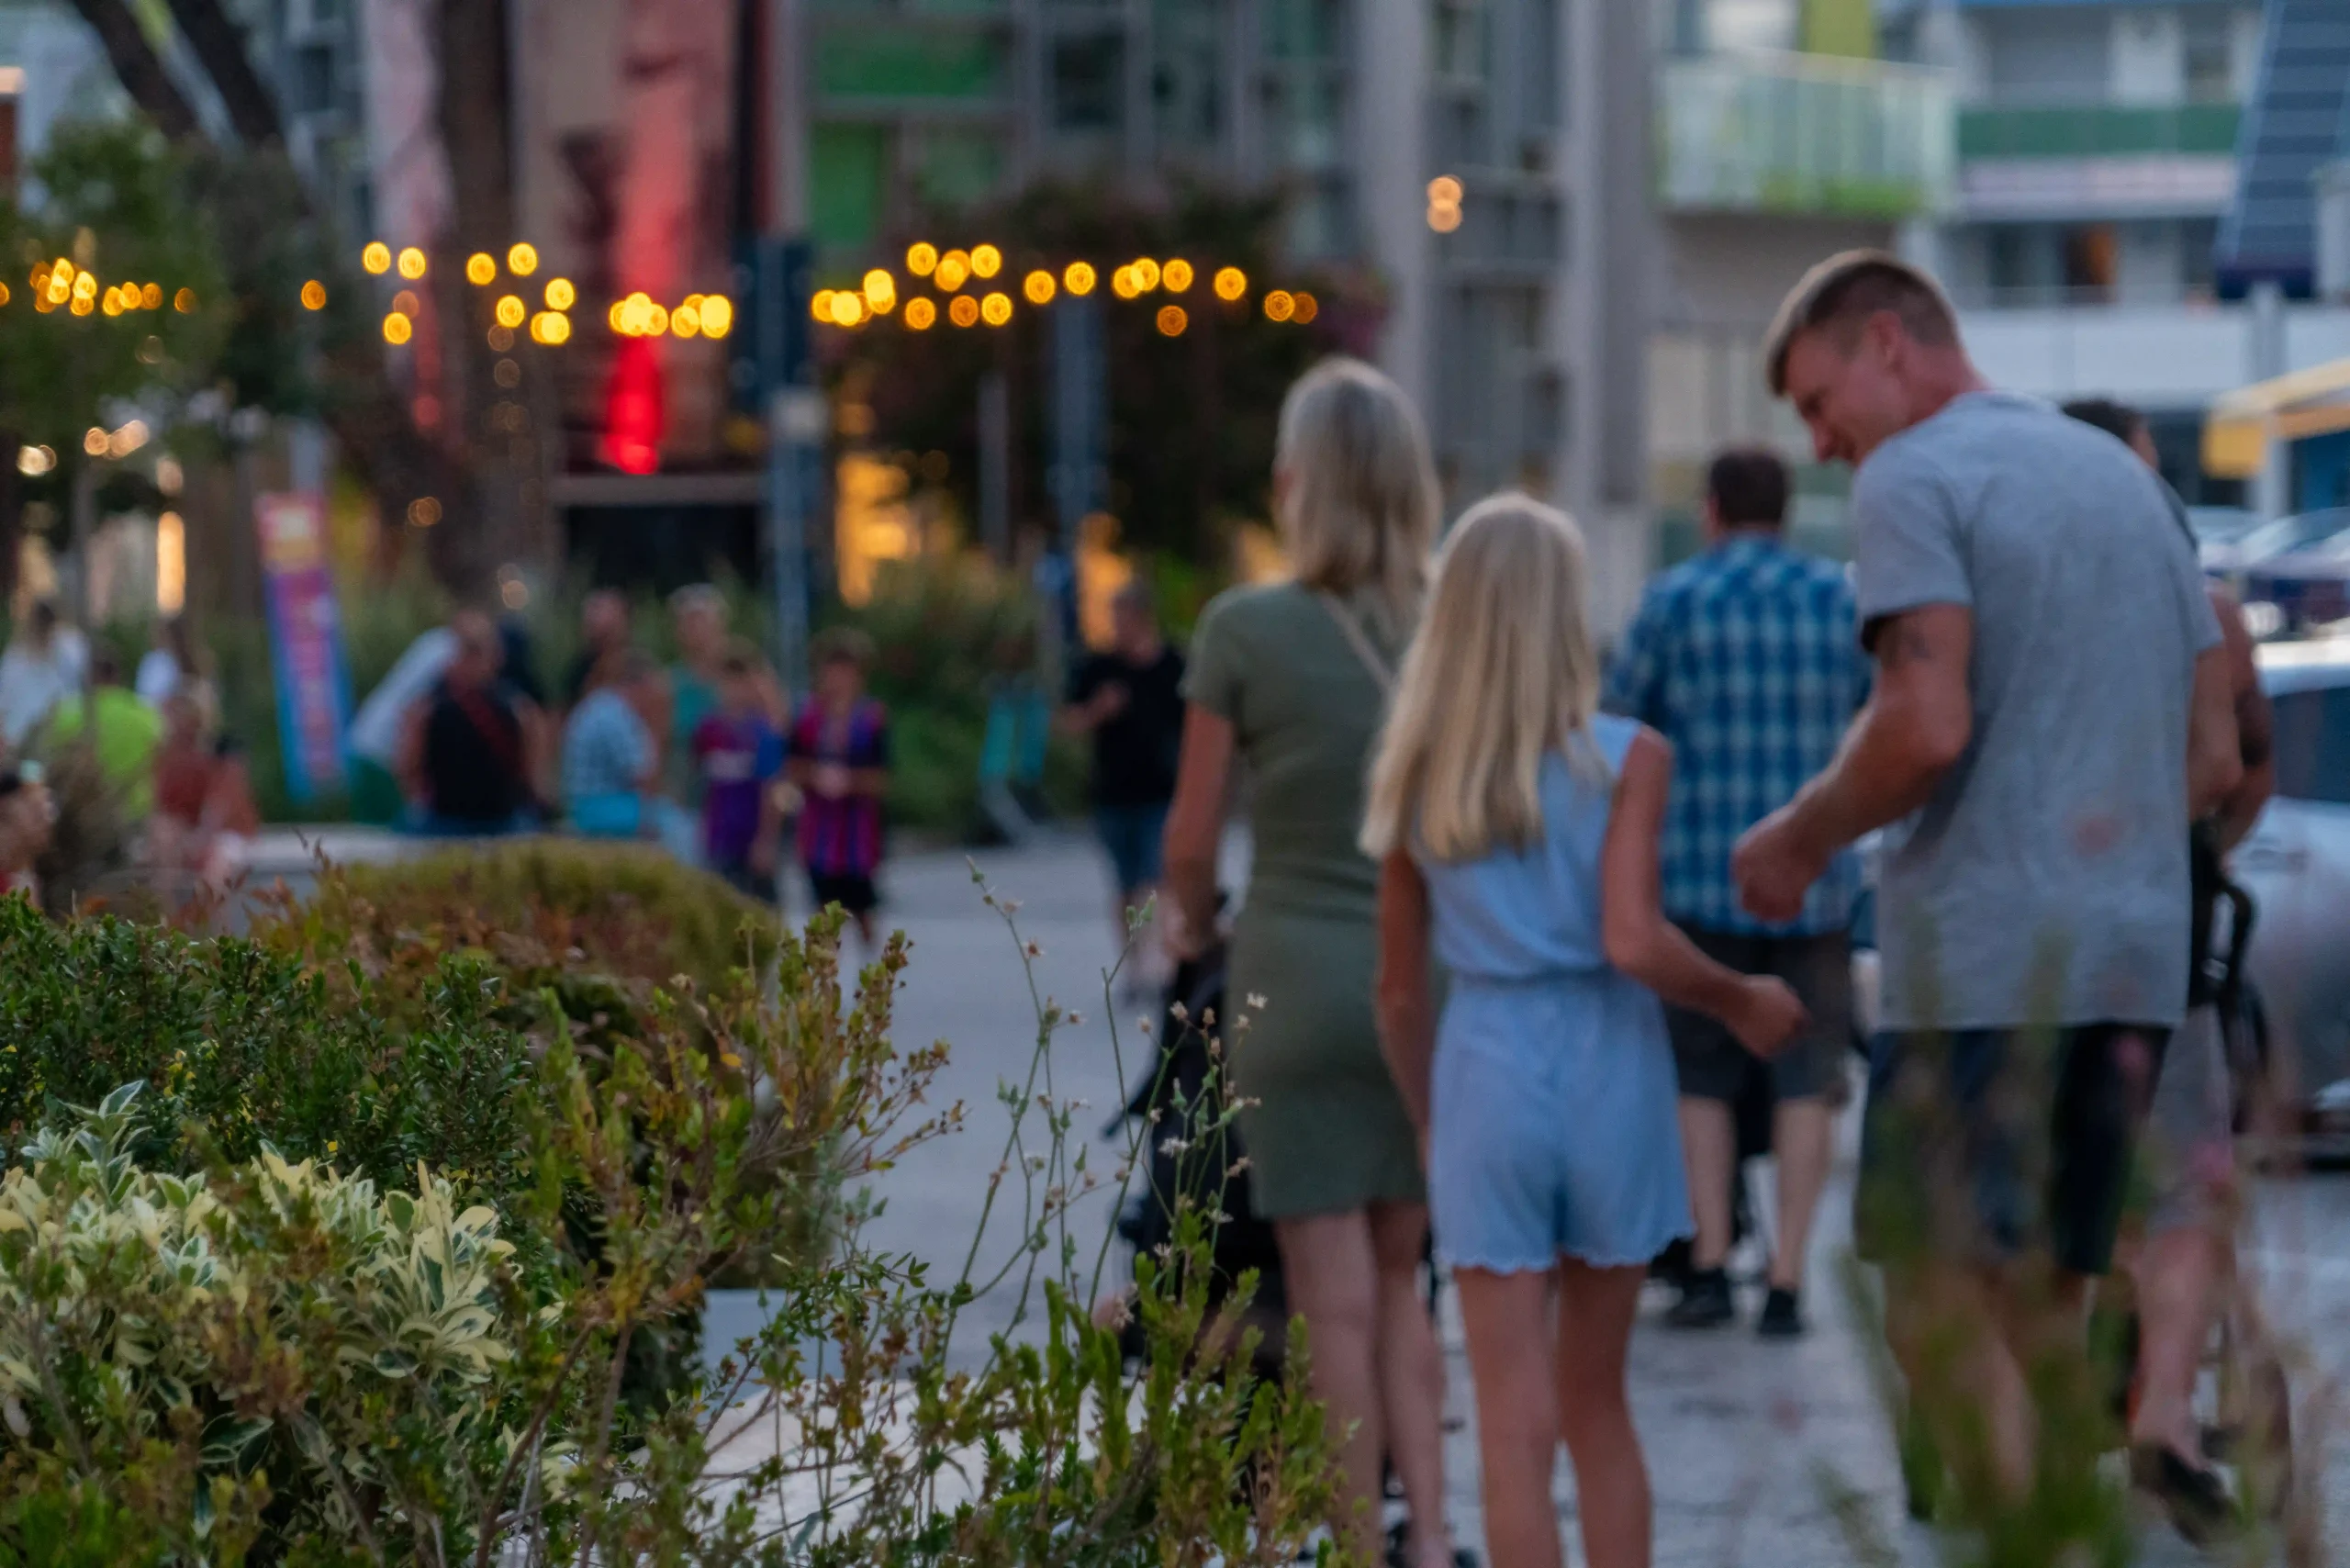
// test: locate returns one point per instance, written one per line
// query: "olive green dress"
(1329, 1133)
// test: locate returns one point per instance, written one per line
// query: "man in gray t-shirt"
(2050, 711)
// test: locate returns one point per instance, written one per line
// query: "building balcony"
(2098, 130)
(1805, 134)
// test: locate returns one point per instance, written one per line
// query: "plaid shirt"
(1747, 660)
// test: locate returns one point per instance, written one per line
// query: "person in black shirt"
(470, 743)
(1129, 697)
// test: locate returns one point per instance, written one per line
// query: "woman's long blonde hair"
(1358, 503)
(1500, 674)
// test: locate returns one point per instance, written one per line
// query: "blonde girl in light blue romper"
(1517, 831)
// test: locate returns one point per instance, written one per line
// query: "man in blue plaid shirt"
(1747, 660)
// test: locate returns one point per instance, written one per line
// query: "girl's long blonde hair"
(1500, 674)
(1359, 496)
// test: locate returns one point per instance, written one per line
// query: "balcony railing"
(1799, 133)
(2098, 130)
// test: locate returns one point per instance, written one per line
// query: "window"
(1089, 82)
(2312, 746)
(313, 78)
(2208, 67)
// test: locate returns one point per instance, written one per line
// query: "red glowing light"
(634, 407)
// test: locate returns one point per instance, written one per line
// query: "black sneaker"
(2196, 1496)
(1782, 1315)
(1705, 1301)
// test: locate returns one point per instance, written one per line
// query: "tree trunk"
(218, 44)
(141, 73)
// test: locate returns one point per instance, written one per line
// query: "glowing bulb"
(112, 304)
(636, 315)
(1176, 275)
(953, 271)
(1038, 287)
(1444, 191)
(1279, 305)
(314, 296)
(685, 322)
(522, 260)
(996, 310)
(412, 263)
(1172, 321)
(986, 261)
(549, 328)
(511, 310)
(1231, 283)
(376, 258)
(657, 319)
(613, 316)
(184, 302)
(821, 307)
(398, 329)
(481, 269)
(1123, 285)
(964, 312)
(848, 308)
(880, 292)
(1304, 309)
(1444, 220)
(1146, 275)
(151, 296)
(921, 257)
(717, 315)
(85, 286)
(921, 314)
(561, 296)
(1078, 278)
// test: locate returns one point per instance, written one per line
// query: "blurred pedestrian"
(839, 761)
(2050, 711)
(604, 633)
(124, 733)
(698, 622)
(1292, 679)
(739, 754)
(1519, 829)
(27, 816)
(2188, 1250)
(205, 817)
(45, 661)
(469, 751)
(1129, 698)
(609, 760)
(170, 664)
(1747, 660)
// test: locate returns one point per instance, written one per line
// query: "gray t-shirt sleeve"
(1910, 548)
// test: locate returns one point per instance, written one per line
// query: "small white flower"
(1256, 1001)
(1182, 1013)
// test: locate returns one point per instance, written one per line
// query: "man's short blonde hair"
(1847, 289)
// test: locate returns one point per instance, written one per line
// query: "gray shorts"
(1710, 1062)
(2190, 1129)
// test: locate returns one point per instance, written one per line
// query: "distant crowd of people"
(175, 776)
(707, 756)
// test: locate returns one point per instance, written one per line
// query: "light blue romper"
(1554, 1128)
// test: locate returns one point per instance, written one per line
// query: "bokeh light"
(511, 310)
(996, 310)
(1078, 278)
(314, 294)
(184, 302)
(561, 295)
(424, 511)
(522, 260)
(921, 314)
(964, 312)
(1146, 275)
(1172, 321)
(1304, 308)
(481, 269)
(376, 258)
(1038, 287)
(412, 263)
(1176, 275)
(820, 306)
(921, 257)
(685, 322)
(880, 292)
(986, 261)
(1444, 191)
(398, 329)
(1279, 305)
(717, 315)
(1123, 285)
(406, 303)
(151, 296)
(848, 308)
(549, 328)
(954, 270)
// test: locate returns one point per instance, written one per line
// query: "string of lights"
(62, 286)
(949, 271)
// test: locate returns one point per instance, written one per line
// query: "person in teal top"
(1519, 829)
(699, 616)
(1290, 679)
(125, 732)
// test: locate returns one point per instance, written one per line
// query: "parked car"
(2309, 588)
(2295, 864)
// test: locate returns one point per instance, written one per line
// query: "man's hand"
(1774, 866)
(1769, 1015)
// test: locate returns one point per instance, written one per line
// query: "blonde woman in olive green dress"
(1291, 680)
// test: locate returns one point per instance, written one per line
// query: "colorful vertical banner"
(306, 643)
